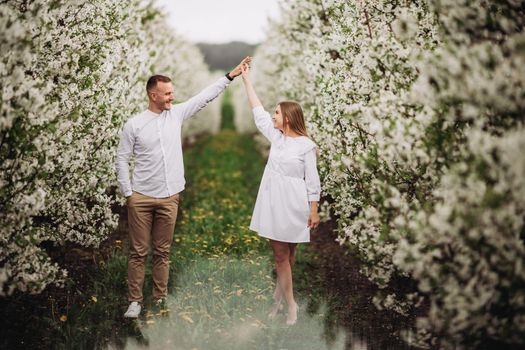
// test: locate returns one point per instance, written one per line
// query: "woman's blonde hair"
(293, 117)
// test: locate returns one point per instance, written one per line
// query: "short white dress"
(290, 181)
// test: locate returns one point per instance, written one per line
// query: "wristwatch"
(228, 76)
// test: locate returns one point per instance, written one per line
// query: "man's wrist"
(230, 78)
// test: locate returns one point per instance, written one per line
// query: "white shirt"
(155, 141)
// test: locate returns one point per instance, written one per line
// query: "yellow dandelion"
(63, 318)
(186, 317)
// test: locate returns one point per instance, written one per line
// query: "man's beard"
(165, 106)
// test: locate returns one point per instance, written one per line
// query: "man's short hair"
(152, 81)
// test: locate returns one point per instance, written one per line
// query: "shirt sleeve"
(124, 153)
(311, 176)
(201, 100)
(264, 123)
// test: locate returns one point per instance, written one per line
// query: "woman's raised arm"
(262, 119)
(252, 96)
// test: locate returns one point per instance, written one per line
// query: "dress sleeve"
(311, 176)
(264, 123)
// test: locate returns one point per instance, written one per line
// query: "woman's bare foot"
(291, 318)
(274, 309)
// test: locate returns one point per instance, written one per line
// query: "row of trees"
(70, 74)
(418, 109)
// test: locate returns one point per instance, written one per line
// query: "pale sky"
(220, 21)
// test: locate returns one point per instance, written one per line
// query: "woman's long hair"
(293, 117)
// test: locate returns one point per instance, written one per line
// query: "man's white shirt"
(155, 142)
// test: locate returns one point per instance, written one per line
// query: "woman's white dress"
(290, 181)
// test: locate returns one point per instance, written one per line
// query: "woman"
(286, 206)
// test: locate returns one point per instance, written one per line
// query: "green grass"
(227, 112)
(221, 303)
(223, 173)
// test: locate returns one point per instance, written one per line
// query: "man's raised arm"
(201, 100)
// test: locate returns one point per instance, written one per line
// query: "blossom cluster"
(418, 110)
(70, 74)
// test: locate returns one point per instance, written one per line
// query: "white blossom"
(70, 75)
(418, 110)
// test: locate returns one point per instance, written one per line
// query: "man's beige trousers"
(150, 218)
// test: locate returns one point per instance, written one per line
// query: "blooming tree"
(71, 73)
(465, 247)
(418, 111)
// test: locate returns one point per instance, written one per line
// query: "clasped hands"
(238, 70)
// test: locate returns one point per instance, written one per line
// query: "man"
(153, 137)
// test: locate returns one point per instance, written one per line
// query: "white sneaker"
(133, 310)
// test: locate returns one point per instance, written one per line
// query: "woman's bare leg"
(292, 247)
(281, 253)
(277, 294)
(277, 297)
